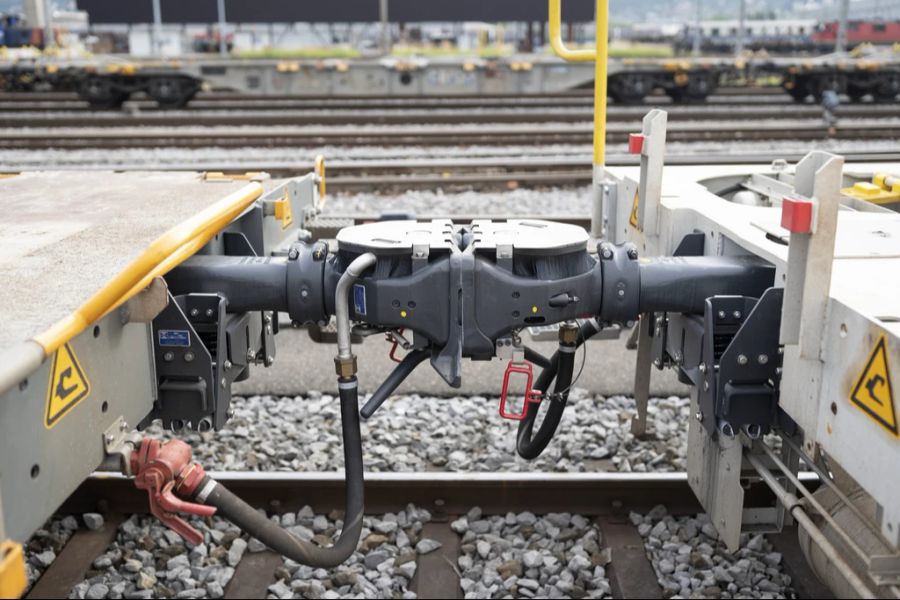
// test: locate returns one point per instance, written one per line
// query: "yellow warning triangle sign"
(67, 387)
(873, 392)
(633, 219)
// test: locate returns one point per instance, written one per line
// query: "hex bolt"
(251, 355)
(110, 438)
(699, 416)
(304, 293)
(123, 426)
(763, 359)
(702, 367)
(606, 252)
(226, 365)
(742, 360)
(721, 314)
(209, 312)
(657, 362)
(737, 314)
(293, 254)
(188, 356)
(621, 293)
(267, 318)
(195, 312)
(169, 356)
(632, 253)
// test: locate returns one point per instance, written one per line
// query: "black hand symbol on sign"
(876, 381)
(61, 390)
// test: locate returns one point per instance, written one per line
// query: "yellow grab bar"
(556, 42)
(600, 55)
(165, 253)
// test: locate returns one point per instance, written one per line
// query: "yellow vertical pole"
(602, 58)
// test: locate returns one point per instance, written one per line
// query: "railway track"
(607, 500)
(462, 135)
(424, 116)
(484, 174)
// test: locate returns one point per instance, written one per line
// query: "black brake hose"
(562, 365)
(271, 534)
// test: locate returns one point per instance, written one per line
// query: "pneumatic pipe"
(280, 540)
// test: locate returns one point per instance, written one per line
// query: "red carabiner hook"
(392, 354)
(531, 395)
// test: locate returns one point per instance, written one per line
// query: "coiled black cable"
(561, 368)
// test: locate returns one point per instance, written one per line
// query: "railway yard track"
(429, 536)
(603, 513)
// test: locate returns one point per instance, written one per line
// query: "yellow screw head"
(534, 309)
(403, 313)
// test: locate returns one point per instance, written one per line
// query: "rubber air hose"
(562, 365)
(280, 540)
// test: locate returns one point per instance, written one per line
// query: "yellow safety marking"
(633, 219)
(68, 385)
(873, 392)
(222, 176)
(12, 570)
(283, 211)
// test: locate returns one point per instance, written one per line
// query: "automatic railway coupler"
(446, 292)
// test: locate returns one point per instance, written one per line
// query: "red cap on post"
(796, 215)
(635, 143)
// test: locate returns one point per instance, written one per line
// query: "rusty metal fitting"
(568, 333)
(164, 470)
(345, 367)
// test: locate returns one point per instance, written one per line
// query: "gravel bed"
(46, 543)
(521, 555)
(574, 201)
(147, 560)
(414, 433)
(690, 562)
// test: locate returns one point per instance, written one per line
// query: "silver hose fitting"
(345, 361)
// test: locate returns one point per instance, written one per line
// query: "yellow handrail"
(165, 253)
(600, 54)
(556, 42)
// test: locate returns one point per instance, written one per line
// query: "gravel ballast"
(46, 544)
(690, 562)
(149, 561)
(413, 433)
(522, 555)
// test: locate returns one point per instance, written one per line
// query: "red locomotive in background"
(859, 32)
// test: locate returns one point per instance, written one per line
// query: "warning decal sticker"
(873, 392)
(68, 386)
(634, 210)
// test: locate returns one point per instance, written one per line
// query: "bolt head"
(702, 367)
(742, 360)
(737, 314)
(762, 359)
(169, 356)
(226, 365)
(209, 312)
(188, 356)
(293, 254)
(721, 314)
(699, 416)
(195, 312)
